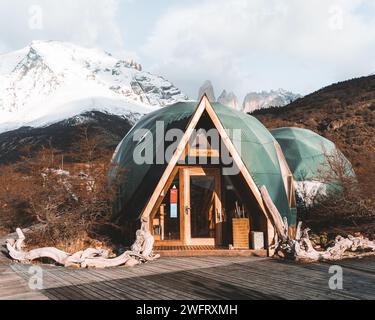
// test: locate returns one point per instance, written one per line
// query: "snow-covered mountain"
(208, 89)
(50, 81)
(265, 99)
(229, 99)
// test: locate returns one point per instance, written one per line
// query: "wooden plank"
(185, 231)
(258, 278)
(139, 287)
(150, 290)
(188, 284)
(121, 284)
(61, 278)
(83, 285)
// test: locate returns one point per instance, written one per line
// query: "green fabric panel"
(306, 151)
(257, 152)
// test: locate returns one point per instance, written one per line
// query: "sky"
(240, 45)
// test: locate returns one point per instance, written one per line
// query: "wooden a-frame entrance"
(184, 174)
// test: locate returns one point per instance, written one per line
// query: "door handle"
(218, 216)
(187, 210)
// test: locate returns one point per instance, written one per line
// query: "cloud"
(86, 22)
(241, 45)
(252, 45)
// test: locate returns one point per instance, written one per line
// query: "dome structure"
(254, 142)
(204, 174)
(310, 158)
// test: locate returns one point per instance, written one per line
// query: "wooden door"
(202, 206)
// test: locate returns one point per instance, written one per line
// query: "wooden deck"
(193, 278)
(207, 251)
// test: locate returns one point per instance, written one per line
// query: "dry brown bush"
(71, 203)
(350, 204)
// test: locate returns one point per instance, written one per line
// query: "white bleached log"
(141, 252)
(300, 247)
(22, 256)
(304, 250)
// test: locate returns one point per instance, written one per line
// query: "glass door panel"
(202, 206)
(166, 223)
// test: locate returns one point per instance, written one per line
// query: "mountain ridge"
(25, 142)
(266, 99)
(252, 101)
(47, 77)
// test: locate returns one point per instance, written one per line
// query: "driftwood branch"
(304, 250)
(300, 247)
(141, 252)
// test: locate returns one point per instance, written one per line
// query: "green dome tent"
(308, 155)
(258, 150)
(198, 204)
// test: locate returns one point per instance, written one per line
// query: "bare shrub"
(70, 202)
(14, 208)
(346, 201)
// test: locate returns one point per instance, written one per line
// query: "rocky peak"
(265, 99)
(208, 89)
(229, 99)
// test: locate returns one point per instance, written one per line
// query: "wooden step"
(211, 252)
